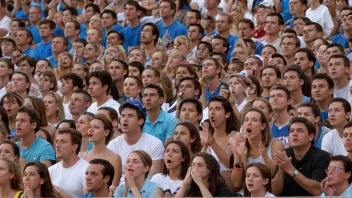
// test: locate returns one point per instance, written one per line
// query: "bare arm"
(277, 145)
(277, 184)
(158, 193)
(156, 168)
(277, 5)
(222, 155)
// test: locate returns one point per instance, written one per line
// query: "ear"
(311, 137)
(106, 133)
(42, 180)
(266, 181)
(125, 72)
(301, 82)
(348, 115)
(200, 116)
(51, 85)
(320, 34)
(105, 87)
(263, 126)
(317, 119)
(347, 175)
(34, 125)
(106, 179)
(140, 121)
(146, 168)
(227, 115)
(74, 147)
(74, 88)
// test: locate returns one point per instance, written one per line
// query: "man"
(301, 166)
(70, 14)
(169, 28)
(32, 148)
(72, 30)
(158, 123)
(189, 110)
(47, 28)
(339, 68)
(5, 21)
(149, 38)
(24, 40)
(342, 38)
(311, 112)
(253, 65)
(150, 76)
(35, 14)
(319, 13)
(99, 176)
(339, 115)
(274, 23)
(246, 30)
(208, 24)
(311, 32)
(108, 20)
(322, 93)
(132, 32)
(334, 48)
(279, 100)
(289, 45)
(58, 46)
(212, 8)
(211, 75)
(299, 23)
(305, 58)
(223, 25)
(131, 122)
(90, 10)
(293, 80)
(99, 87)
(221, 45)
(20, 83)
(27, 65)
(69, 173)
(347, 139)
(195, 34)
(114, 38)
(70, 82)
(193, 17)
(204, 50)
(279, 61)
(119, 71)
(270, 76)
(8, 46)
(297, 9)
(79, 103)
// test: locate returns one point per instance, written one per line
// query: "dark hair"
(326, 77)
(107, 126)
(304, 19)
(222, 55)
(76, 24)
(200, 28)
(289, 30)
(207, 45)
(155, 30)
(39, 106)
(12, 96)
(76, 137)
(331, 45)
(297, 41)
(49, 22)
(72, 10)
(76, 80)
(198, 14)
(270, 46)
(255, 81)
(225, 43)
(70, 122)
(104, 77)
(306, 87)
(283, 88)
(3, 114)
(65, 41)
(9, 65)
(108, 169)
(249, 22)
(310, 126)
(265, 174)
(346, 61)
(31, 61)
(140, 114)
(310, 56)
(95, 8)
(347, 164)
(345, 103)
(21, 23)
(195, 82)
(86, 95)
(196, 103)
(33, 115)
(145, 158)
(279, 17)
(186, 159)
(196, 146)
(107, 11)
(156, 72)
(172, 5)
(138, 65)
(16, 149)
(80, 40)
(28, 33)
(158, 88)
(277, 71)
(317, 26)
(47, 134)
(112, 112)
(315, 109)
(133, 3)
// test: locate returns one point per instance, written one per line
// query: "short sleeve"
(325, 145)
(171, 125)
(47, 153)
(157, 153)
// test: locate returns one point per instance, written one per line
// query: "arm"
(158, 193)
(310, 185)
(204, 190)
(332, 10)
(117, 167)
(156, 167)
(277, 5)
(182, 191)
(222, 155)
(277, 145)
(277, 184)
(16, 7)
(25, 7)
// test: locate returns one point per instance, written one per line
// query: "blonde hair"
(171, 72)
(15, 169)
(164, 56)
(59, 101)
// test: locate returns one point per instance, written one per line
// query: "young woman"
(176, 163)
(54, 108)
(9, 149)
(257, 181)
(203, 179)
(47, 82)
(188, 134)
(264, 105)
(185, 70)
(176, 58)
(137, 169)
(113, 117)
(322, 59)
(238, 85)
(258, 146)
(181, 12)
(10, 179)
(12, 102)
(183, 43)
(37, 182)
(82, 126)
(132, 87)
(4, 117)
(159, 60)
(78, 50)
(99, 133)
(112, 52)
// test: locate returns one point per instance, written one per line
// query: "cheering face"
(217, 114)
(254, 180)
(252, 124)
(198, 164)
(129, 120)
(173, 156)
(135, 166)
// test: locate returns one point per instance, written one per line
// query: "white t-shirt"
(205, 114)
(150, 144)
(166, 183)
(2, 92)
(322, 16)
(333, 143)
(268, 194)
(5, 23)
(240, 106)
(204, 10)
(68, 114)
(109, 103)
(276, 43)
(72, 180)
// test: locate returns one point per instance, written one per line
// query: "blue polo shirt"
(280, 133)
(260, 47)
(148, 190)
(132, 36)
(20, 14)
(54, 62)
(32, 53)
(44, 50)
(286, 15)
(174, 30)
(58, 31)
(209, 95)
(162, 128)
(83, 32)
(35, 33)
(40, 150)
(340, 39)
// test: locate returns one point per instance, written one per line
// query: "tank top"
(260, 159)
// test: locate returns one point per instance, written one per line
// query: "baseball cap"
(9, 38)
(133, 103)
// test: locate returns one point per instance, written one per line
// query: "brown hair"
(107, 126)
(76, 137)
(265, 174)
(15, 169)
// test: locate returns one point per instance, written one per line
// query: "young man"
(293, 80)
(132, 32)
(195, 34)
(211, 75)
(208, 23)
(311, 32)
(270, 76)
(190, 110)
(334, 48)
(99, 87)
(27, 65)
(305, 58)
(150, 76)
(108, 20)
(280, 98)
(297, 9)
(47, 28)
(343, 37)
(72, 30)
(79, 103)
(193, 17)
(299, 23)
(69, 173)
(99, 176)
(20, 83)
(274, 23)
(347, 139)
(118, 70)
(339, 115)
(58, 46)
(221, 45)
(204, 50)
(311, 112)
(70, 14)
(32, 148)
(339, 68)
(90, 10)
(301, 166)
(114, 38)
(70, 82)
(223, 25)
(8, 46)
(149, 38)
(246, 30)
(24, 40)
(322, 93)
(158, 123)
(289, 45)
(326, 20)
(131, 121)
(35, 14)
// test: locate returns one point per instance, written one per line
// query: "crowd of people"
(161, 98)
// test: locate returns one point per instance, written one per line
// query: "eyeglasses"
(334, 169)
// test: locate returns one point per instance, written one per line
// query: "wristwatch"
(294, 173)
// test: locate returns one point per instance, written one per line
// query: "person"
(59, 45)
(47, 82)
(149, 38)
(342, 38)
(69, 173)
(99, 133)
(119, 71)
(320, 13)
(80, 100)
(131, 122)
(20, 83)
(273, 25)
(203, 179)
(82, 126)
(8, 46)
(347, 139)
(339, 67)
(11, 102)
(305, 58)
(289, 44)
(270, 76)
(257, 181)
(301, 166)
(99, 176)
(339, 115)
(113, 117)
(193, 16)
(176, 163)
(47, 28)
(190, 110)
(311, 32)
(132, 87)
(9, 149)
(195, 34)
(32, 148)
(24, 39)
(339, 177)
(54, 108)
(69, 83)
(37, 182)
(158, 123)
(135, 68)
(238, 86)
(11, 181)
(99, 86)
(5, 75)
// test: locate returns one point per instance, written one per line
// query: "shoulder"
(151, 139)
(157, 177)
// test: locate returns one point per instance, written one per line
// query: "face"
(94, 177)
(218, 45)
(209, 69)
(7, 47)
(130, 88)
(237, 87)
(96, 88)
(45, 84)
(217, 114)
(272, 25)
(296, 7)
(45, 30)
(23, 125)
(19, 84)
(332, 51)
(64, 146)
(251, 66)
(292, 81)
(41, 66)
(136, 55)
(5, 71)
(307, 112)
(90, 52)
(316, 44)
(347, 139)
(6, 150)
(222, 24)
(232, 69)
(262, 106)
(96, 67)
(82, 125)
(58, 45)
(165, 9)
(202, 52)
(254, 180)
(175, 59)
(22, 38)
(182, 134)
(199, 164)
(239, 53)
(266, 54)
(310, 33)
(131, 12)
(193, 33)
(147, 36)
(58, 18)
(288, 47)
(112, 39)
(5, 174)
(107, 20)
(88, 13)
(245, 31)
(34, 14)
(191, 18)
(151, 99)
(67, 16)
(117, 71)
(96, 131)
(320, 90)
(93, 36)
(32, 178)
(253, 125)
(78, 69)
(157, 61)
(299, 136)
(77, 104)
(135, 167)
(78, 48)
(26, 68)
(337, 177)
(182, 47)
(173, 156)
(187, 89)
(51, 106)
(70, 29)
(321, 55)
(301, 59)
(134, 71)
(129, 120)
(337, 115)
(67, 86)
(11, 107)
(278, 100)
(269, 78)
(182, 72)
(190, 114)
(337, 69)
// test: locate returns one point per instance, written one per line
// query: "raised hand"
(188, 178)
(283, 161)
(196, 176)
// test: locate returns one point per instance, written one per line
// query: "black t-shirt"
(223, 191)
(312, 166)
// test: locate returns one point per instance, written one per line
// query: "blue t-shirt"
(324, 115)
(88, 195)
(44, 50)
(58, 31)
(286, 10)
(162, 128)
(12, 133)
(147, 191)
(260, 47)
(132, 36)
(35, 33)
(280, 133)
(54, 62)
(32, 53)
(340, 39)
(209, 95)
(232, 41)
(20, 14)
(83, 32)
(306, 99)
(40, 150)
(116, 27)
(174, 30)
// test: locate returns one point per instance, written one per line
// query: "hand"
(331, 4)
(164, 38)
(237, 143)
(179, 97)
(112, 189)
(196, 176)
(284, 162)
(188, 178)
(262, 149)
(129, 180)
(224, 92)
(210, 139)
(28, 191)
(327, 188)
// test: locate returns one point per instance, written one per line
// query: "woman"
(47, 82)
(264, 105)
(267, 52)
(183, 43)
(137, 169)
(9, 149)
(10, 180)
(45, 135)
(132, 87)
(37, 182)
(176, 58)
(82, 126)
(4, 131)
(99, 133)
(54, 108)
(82, 70)
(78, 50)
(203, 179)
(6, 70)
(113, 117)
(185, 70)
(112, 52)
(95, 35)
(258, 181)
(238, 85)
(159, 60)
(12, 102)
(3, 116)
(168, 88)
(188, 134)
(258, 146)
(176, 163)
(323, 60)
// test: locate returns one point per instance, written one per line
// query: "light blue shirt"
(162, 128)
(148, 190)
(174, 30)
(32, 53)
(346, 193)
(44, 50)
(54, 62)
(40, 150)
(35, 33)
(132, 36)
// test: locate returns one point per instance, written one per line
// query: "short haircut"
(225, 42)
(28, 33)
(207, 45)
(280, 56)
(198, 14)
(76, 24)
(317, 26)
(270, 46)
(279, 17)
(310, 126)
(76, 80)
(112, 112)
(346, 61)
(346, 105)
(283, 88)
(158, 88)
(138, 65)
(277, 71)
(296, 69)
(96, 9)
(86, 95)
(31, 61)
(289, 30)
(70, 122)
(49, 22)
(72, 10)
(172, 5)
(310, 56)
(196, 103)
(108, 169)
(297, 41)
(326, 77)
(156, 72)
(200, 28)
(155, 31)
(107, 11)
(195, 82)
(64, 40)
(76, 137)
(26, 78)
(33, 115)
(21, 23)
(223, 56)
(304, 19)
(249, 22)
(330, 45)
(80, 40)
(347, 164)
(133, 3)
(140, 114)
(315, 109)
(104, 77)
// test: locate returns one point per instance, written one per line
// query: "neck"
(4, 80)
(53, 119)
(47, 39)
(101, 100)
(99, 147)
(134, 22)
(324, 68)
(340, 129)
(323, 105)
(133, 137)
(213, 84)
(220, 131)
(70, 161)
(225, 34)
(102, 192)
(37, 192)
(339, 189)
(282, 117)
(36, 24)
(167, 21)
(175, 173)
(24, 47)
(314, 5)
(308, 73)
(149, 48)
(12, 123)
(260, 193)
(28, 140)
(212, 12)
(254, 142)
(290, 60)
(301, 151)
(75, 116)
(297, 97)
(266, 92)
(90, 60)
(108, 29)
(349, 155)
(272, 37)
(56, 56)
(341, 83)
(73, 38)
(84, 146)
(239, 99)
(153, 115)
(6, 190)
(119, 86)
(209, 30)
(194, 44)
(67, 98)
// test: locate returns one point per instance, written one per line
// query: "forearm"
(269, 163)
(204, 190)
(277, 184)
(311, 186)
(278, 6)
(182, 191)
(336, 26)
(237, 178)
